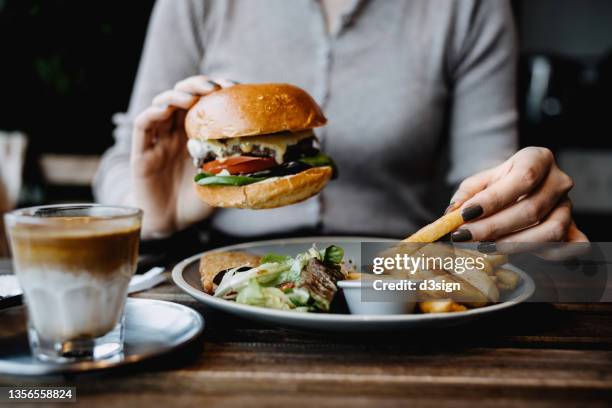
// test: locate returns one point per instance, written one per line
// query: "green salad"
(305, 283)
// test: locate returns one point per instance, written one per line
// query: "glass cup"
(74, 263)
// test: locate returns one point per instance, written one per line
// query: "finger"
(225, 82)
(547, 250)
(197, 85)
(577, 244)
(469, 187)
(144, 125)
(523, 214)
(553, 229)
(530, 167)
(151, 116)
(575, 235)
(177, 141)
(179, 99)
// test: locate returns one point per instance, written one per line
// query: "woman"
(402, 82)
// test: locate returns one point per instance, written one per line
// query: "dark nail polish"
(213, 83)
(234, 82)
(472, 212)
(461, 235)
(487, 247)
(450, 207)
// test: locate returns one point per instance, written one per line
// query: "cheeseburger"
(254, 146)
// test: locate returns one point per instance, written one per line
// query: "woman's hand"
(520, 201)
(161, 169)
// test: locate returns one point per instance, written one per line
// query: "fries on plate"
(441, 306)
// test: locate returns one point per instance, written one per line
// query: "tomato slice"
(239, 164)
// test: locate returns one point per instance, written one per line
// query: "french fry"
(481, 282)
(441, 306)
(488, 266)
(485, 289)
(437, 229)
(430, 233)
(466, 294)
(479, 286)
(494, 260)
(436, 306)
(456, 307)
(353, 276)
(507, 279)
(402, 248)
(437, 249)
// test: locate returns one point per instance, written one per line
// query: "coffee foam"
(77, 245)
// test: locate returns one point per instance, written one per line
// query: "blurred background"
(69, 65)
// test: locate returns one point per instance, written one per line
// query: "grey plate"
(187, 277)
(152, 327)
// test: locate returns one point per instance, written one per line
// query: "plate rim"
(46, 369)
(230, 307)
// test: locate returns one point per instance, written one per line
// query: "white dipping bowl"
(404, 303)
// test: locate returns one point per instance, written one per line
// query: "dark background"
(68, 66)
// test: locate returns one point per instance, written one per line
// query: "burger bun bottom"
(270, 193)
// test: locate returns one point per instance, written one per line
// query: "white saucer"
(152, 327)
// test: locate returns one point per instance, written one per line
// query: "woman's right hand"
(161, 169)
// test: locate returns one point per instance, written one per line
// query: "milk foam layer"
(66, 306)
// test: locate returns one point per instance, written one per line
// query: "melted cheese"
(277, 142)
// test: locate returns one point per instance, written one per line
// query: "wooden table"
(532, 355)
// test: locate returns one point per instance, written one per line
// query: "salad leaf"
(235, 282)
(318, 160)
(268, 258)
(276, 299)
(310, 274)
(299, 263)
(299, 296)
(257, 295)
(321, 160)
(274, 279)
(206, 179)
(202, 175)
(251, 294)
(291, 267)
(333, 255)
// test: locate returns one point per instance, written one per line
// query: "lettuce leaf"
(299, 297)
(259, 286)
(206, 179)
(321, 160)
(257, 295)
(267, 258)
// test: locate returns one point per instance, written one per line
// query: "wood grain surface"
(537, 355)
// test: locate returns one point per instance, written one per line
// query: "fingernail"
(461, 235)
(213, 83)
(450, 207)
(472, 212)
(487, 247)
(233, 82)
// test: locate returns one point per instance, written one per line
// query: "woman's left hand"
(522, 200)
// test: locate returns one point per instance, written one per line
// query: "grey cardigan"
(401, 82)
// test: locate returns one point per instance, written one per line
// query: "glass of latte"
(74, 264)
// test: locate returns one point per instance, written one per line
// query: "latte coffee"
(74, 268)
